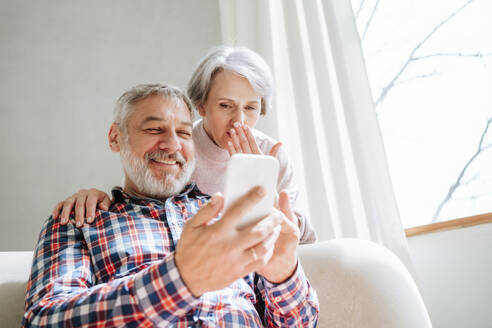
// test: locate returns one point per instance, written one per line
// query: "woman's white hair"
(124, 105)
(240, 60)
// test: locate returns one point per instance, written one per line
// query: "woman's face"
(231, 99)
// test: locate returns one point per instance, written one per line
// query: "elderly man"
(161, 256)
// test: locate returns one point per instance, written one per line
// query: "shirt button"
(278, 299)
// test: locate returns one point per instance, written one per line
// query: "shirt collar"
(121, 196)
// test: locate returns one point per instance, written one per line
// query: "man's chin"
(166, 172)
(163, 188)
(156, 179)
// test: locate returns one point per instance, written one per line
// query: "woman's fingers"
(230, 148)
(90, 207)
(274, 151)
(235, 141)
(95, 198)
(80, 206)
(56, 210)
(243, 140)
(252, 141)
(104, 205)
(67, 208)
(84, 203)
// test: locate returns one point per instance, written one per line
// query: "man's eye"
(184, 133)
(153, 130)
(251, 108)
(226, 106)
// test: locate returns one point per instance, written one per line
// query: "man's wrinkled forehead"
(173, 107)
(159, 119)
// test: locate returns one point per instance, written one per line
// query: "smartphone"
(245, 171)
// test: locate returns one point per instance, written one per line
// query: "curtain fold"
(324, 113)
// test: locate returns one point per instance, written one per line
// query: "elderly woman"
(231, 88)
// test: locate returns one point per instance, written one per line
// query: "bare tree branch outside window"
(459, 181)
(413, 58)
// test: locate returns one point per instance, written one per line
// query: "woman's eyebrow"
(224, 98)
(228, 99)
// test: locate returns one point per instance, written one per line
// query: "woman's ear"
(201, 110)
(114, 137)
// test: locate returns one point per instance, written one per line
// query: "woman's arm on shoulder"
(84, 202)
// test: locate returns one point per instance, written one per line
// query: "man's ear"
(201, 110)
(114, 137)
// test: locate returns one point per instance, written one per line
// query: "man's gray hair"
(240, 60)
(124, 105)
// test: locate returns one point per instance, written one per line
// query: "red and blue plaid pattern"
(120, 271)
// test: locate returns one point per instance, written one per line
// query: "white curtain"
(324, 113)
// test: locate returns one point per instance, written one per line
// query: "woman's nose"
(239, 117)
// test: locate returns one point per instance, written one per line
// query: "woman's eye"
(251, 108)
(153, 130)
(226, 106)
(184, 133)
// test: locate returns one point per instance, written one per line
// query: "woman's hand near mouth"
(243, 141)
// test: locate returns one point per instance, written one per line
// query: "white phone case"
(245, 171)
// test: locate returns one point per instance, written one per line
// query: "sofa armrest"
(362, 284)
(14, 273)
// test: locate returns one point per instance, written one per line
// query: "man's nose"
(170, 143)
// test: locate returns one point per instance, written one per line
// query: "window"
(430, 70)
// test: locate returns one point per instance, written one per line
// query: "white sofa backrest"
(359, 284)
(15, 268)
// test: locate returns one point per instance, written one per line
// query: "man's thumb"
(209, 211)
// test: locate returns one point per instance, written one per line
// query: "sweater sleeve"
(286, 181)
(62, 290)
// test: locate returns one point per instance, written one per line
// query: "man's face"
(157, 154)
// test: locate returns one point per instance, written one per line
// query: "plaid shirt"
(120, 271)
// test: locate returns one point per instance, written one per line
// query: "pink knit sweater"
(211, 164)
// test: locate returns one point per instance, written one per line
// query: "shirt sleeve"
(62, 290)
(293, 303)
(286, 181)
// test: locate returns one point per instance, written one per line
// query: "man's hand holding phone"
(211, 256)
(243, 173)
(283, 262)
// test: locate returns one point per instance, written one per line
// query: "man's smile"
(164, 161)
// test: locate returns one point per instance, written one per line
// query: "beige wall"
(453, 268)
(62, 66)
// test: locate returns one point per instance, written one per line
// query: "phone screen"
(245, 171)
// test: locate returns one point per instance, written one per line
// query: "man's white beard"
(140, 174)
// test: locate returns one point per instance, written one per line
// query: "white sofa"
(359, 284)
